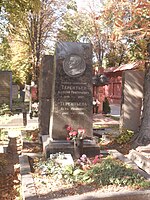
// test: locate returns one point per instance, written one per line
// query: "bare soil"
(9, 177)
(122, 148)
(49, 188)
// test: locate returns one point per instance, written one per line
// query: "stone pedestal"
(51, 147)
(78, 148)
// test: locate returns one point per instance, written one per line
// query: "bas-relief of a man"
(74, 65)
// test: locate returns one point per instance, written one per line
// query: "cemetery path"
(17, 121)
(100, 119)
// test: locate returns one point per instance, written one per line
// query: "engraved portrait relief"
(74, 65)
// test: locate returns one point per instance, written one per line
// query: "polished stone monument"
(71, 102)
(72, 89)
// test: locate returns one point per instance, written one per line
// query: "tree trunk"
(143, 138)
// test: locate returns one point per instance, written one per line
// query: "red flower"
(74, 133)
(69, 128)
(81, 130)
(96, 159)
(70, 133)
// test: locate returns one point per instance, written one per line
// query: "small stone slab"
(66, 160)
(13, 133)
(28, 188)
(33, 155)
(127, 161)
(145, 149)
(140, 160)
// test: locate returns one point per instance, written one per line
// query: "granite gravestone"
(132, 100)
(6, 88)
(45, 93)
(72, 89)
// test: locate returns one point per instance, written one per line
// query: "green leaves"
(31, 24)
(125, 136)
(111, 171)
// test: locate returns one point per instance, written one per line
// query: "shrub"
(4, 109)
(3, 135)
(125, 136)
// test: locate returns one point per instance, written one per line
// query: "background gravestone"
(6, 88)
(132, 100)
(27, 90)
(14, 92)
(45, 93)
(72, 89)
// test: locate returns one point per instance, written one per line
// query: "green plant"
(3, 135)
(111, 171)
(125, 136)
(4, 109)
(53, 167)
(28, 138)
(30, 135)
(108, 171)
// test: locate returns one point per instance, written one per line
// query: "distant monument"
(6, 88)
(71, 95)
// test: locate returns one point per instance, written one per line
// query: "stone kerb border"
(134, 195)
(130, 163)
(28, 187)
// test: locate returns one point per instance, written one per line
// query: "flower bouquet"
(77, 137)
(75, 134)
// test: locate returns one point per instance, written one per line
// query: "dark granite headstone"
(45, 93)
(72, 89)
